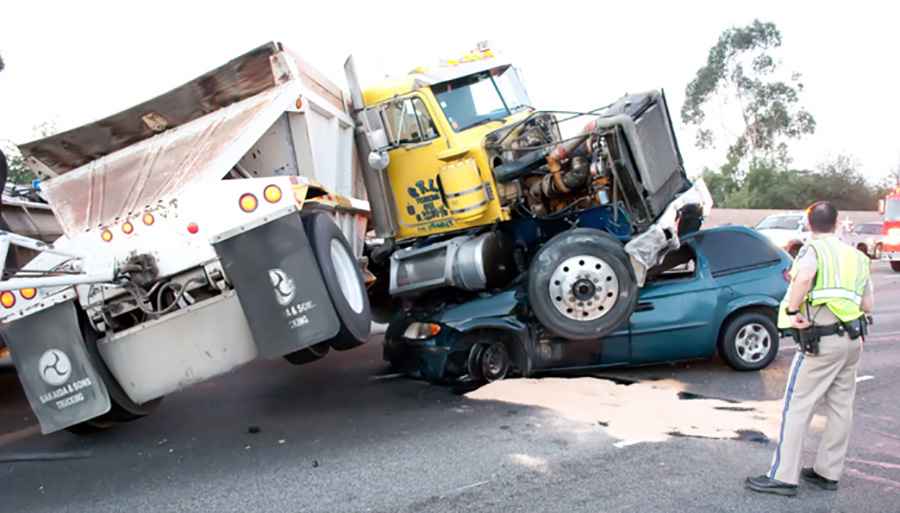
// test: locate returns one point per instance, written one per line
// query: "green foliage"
(18, 172)
(769, 184)
(741, 68)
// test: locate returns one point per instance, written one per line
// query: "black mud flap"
(274, 271)
(62, 385)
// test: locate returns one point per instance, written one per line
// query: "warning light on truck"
(8, 299)
(28, 293)
(272, 193)
(248, 202)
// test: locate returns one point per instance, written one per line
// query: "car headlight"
(893, 236)
(421, 330)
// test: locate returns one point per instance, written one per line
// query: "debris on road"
(642, 412)
(253, 430)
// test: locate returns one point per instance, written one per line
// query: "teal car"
(718, 293)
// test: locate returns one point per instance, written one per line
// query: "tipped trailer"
(210, 226)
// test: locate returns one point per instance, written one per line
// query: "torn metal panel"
(133, 179)
(241, 78)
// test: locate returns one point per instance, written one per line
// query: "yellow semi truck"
(475, 193)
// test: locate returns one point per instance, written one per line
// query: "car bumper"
(422, 358)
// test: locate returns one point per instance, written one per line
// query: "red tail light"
(192, 228)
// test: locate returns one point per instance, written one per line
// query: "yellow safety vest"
(842, 272)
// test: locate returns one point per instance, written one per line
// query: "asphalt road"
(333, 437)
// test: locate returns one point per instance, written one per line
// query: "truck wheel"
(343, 279)
(580, 285)
(895, 265)
(309, 354)
(749, 341)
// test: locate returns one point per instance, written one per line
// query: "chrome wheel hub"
(583, 288)
(752, 342)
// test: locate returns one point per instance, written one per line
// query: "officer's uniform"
(842, 280)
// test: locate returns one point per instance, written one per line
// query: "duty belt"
(853, 329)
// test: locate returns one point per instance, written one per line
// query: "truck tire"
(309, 354)
(343, 279)
(121, 408)
(749, 341)
(581, 286)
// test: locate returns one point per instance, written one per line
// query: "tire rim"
(752, 342)
(584, 288)
(345, 268)
(494, 362)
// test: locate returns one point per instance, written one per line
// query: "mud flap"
(274, 271)
(60, 382)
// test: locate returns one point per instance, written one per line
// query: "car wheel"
(876, 254)
(495, 361)
(342, 278)
(580, 284)
(308, 354)
(895, 265)
(749, 341)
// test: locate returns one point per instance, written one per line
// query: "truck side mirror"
(376, 133)
(378, 160)
(881, 207)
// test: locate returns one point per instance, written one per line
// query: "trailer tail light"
(106, 235)
(192, 228)
(248, 202)
(127, 228)
(7, 299)
(272, 193)
(148, 219)
(28, 293)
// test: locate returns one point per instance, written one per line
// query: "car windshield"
(482, 97)
(892, 209)
(780, 223)
(869, 228)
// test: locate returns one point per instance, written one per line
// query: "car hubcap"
(752, 342)
(346, 275)
(584, 288)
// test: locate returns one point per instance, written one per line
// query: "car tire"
(749, 341)
(495, 362)
(343, 280)
(895, 265)
(121, 408)
(308, 354)
(591, 264)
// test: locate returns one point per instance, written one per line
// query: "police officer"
(825, 308)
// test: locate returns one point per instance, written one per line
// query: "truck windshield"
(482, 97)
(892, 209)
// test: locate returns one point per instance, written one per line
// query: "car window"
(681, 263)
(729, 251)
(408, 122)
(871, 229)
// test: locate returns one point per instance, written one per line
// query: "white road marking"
(860, 379)
(387, 376)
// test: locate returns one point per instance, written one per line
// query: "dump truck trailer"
(215, 224)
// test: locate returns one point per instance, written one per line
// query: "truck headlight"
(421, 330)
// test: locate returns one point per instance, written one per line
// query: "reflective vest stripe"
(835, 293)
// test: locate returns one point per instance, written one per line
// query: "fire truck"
(889, 207)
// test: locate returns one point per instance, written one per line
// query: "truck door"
(414, 167)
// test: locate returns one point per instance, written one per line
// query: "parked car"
(718, 293)
(788, 231)
(867, 237)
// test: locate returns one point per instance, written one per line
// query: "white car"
(867, 237)
(788, 231)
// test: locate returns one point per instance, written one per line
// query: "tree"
(741, 69)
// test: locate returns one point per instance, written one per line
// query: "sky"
(69, 63)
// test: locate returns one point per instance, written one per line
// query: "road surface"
(341, 435)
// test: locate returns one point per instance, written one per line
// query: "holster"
(807, 339)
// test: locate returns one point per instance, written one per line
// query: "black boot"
(765, 485)
(811, 476)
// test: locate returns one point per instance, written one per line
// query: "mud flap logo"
(54, 367)
(283, 286)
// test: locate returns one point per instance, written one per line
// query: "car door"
(674, 315)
